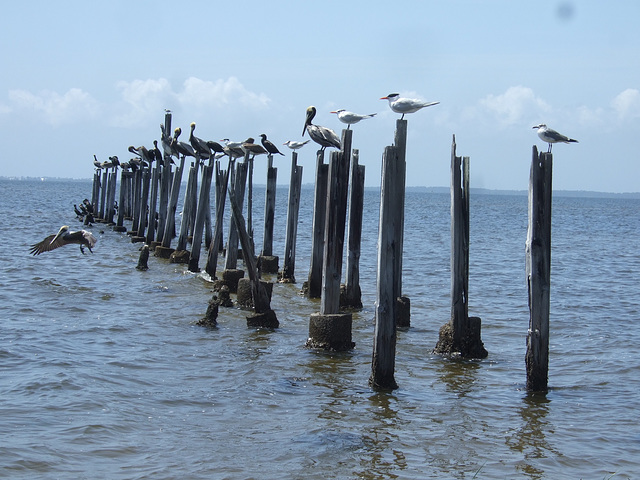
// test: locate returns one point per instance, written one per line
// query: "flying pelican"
(182, 148)
(550, 136)
(253, 148)
(64, 237)
(295, 145)
(199, 145)
(323, 136)
(269, 146)
(350, 118)
(405, 105)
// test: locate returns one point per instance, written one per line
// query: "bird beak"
(384, 98)
(57, 236)
(333, 112)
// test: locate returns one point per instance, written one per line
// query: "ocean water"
(104, 373)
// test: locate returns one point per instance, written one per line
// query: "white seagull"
(295, 145)
(64, 237)
(405, 105)
(350, 118)
(323, 136)
(550, 136)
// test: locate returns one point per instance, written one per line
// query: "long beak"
(304, 129)
(384, 98)
(56, 237)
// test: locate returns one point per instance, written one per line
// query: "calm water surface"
(104, 373)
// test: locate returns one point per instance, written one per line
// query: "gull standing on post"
(350, 118)
(405, 105)
(323, 136)
(295, 145)
(550, 136)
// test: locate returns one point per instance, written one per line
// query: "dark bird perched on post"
(405, 105)
(114, 161)
(295, 145)
(199, 146)
(167, 143)
(156, 153)
(143, 153)
(350, 118)
(550, 136)
(96, 163)
(253, 148)
(215, 147)
(232, 149)
(64, 237)
(181, 148)
(323, 136)
(269, 146)
(79, 214)
(88, 205)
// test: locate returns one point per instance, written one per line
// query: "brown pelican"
(550, 136)
(269, 146)
(323, 136)
(199, 145)
(253, 148)
(156, 153)
(295, 145)
(167, 143)
(182, 148)
(232, 149)
(64, 237)
(143, 153)
(405, 105)
(216, 147)
(96, 163)
(350, 118)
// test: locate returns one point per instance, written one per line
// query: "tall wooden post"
(314, 283)
(153, 202)
(389, 249)
(269, 208)
(231, 274)
(202, 211)
(330, 329)
(122, 202)
(538, 270)
(187, 207)
(352, 296)
(165, 250)
(144, 204)
(103, 193)
(222, 179)
(165, 185)
(295, 186)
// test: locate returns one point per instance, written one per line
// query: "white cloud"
(54, 108)
(514, 106)
(144, 100)
(627, 104)
(205, 93)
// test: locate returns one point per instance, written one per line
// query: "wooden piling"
(222, 180)
(163, 203)
(201, 212)
(151, 228)
(187, 207)
(231, 258)
(295, 188)
(461, 335)
(111, 197)
(164, 250)
(122, 205)
(538, 270)
(351, 294)
(389, 248)
(314, 283)
(269, 262)
(144, 205)
(103, 194)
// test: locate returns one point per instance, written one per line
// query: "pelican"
(216, 147)
(253, 148)
(155, 152)
(79, 213)
(199, 146)
(295, 145)
(269, 146)
(550, 136)
(323, 136)
(143, 153)
(350, 118)
(182, 148)
(167, 143)
(64, 237)
(405, 105)
(232, 149)
(96, 163)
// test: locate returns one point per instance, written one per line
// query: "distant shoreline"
(444, 190)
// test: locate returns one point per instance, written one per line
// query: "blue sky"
(83, 78)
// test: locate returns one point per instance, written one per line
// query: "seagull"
(405, 105)
(295, 145)
(323, 136)
(64, 237)
(269, 146)
(550, 136)
(350, 118)
(232, 149)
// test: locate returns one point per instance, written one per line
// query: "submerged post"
(461, 334)
(538, 270)
(314, 283)
(295, 185)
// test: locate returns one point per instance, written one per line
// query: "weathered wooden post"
(264, 316)
(111, 197)
(249, 160)
(330, 329)
(103, 194)
(461, 334)
(122, 202)
(351, 295)
(187, 206)
(538, 271)
(269, 262)
(165, 179)
(314, 283)
(389, 248)
(293, 209)
(137, 194)
(151, 229)
(95, 191)
(231, 273)
(165, 250)
(144, 205)
(222, 179)
(202, 211)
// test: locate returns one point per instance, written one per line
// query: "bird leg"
(82, 249)
(550, 145)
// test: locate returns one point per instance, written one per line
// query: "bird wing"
(91, 240)
(555, 136)
(46, 245)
